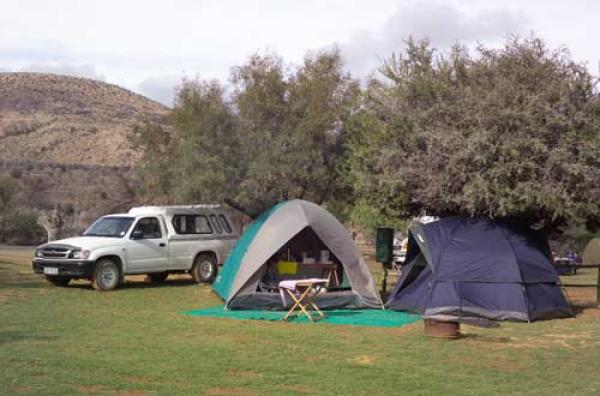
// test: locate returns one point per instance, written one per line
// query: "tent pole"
(385, 275)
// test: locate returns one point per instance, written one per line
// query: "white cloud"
(148, 45)
(444, 24)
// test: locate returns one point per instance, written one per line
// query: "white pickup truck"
(151, 240)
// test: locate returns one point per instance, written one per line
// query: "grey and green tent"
(299, 225)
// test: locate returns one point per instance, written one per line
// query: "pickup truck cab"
(151, 240)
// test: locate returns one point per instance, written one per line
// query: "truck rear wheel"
(204, 269)
(157, 277)
(107, 275)
(60, 281)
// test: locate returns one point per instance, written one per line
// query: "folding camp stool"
(302, 293)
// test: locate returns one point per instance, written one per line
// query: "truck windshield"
(110, 227)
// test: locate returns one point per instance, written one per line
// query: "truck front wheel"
(106, 275)
(204, 269)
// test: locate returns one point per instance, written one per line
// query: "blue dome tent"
(462, 267)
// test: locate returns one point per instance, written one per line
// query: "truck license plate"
(50, 271)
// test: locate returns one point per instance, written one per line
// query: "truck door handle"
(162, 244)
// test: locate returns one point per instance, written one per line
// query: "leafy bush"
(22, 229)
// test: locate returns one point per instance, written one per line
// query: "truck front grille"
(55, 252)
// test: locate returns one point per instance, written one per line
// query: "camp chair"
(302, 293)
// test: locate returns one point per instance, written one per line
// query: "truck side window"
(179, 224)
(191, 224)
(225, 224)
(215, 224)
(150, 228)
(201, 225)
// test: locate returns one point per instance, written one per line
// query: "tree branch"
(239, 208)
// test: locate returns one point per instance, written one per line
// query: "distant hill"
(69, 120)
(65, 139)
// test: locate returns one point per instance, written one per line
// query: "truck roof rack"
(173, 209)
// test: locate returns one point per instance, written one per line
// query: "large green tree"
(276, 133)
(512, 133)
(193, 154)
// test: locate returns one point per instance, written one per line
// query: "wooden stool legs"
(301, 302)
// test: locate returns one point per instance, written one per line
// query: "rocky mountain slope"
(65, 140)
(70, 120)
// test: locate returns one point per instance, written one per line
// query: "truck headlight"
(39, 253)
(81, 254)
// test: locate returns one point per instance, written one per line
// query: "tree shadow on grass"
(496, 339)
(140, 284)
(585, 308)
(16, 336)
(16, 281)
(21, 284)
(13, 276)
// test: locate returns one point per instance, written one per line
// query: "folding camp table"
(329, 272)
(302, 293)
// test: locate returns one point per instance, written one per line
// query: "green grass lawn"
(135, 341)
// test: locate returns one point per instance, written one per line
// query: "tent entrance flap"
(303, 256)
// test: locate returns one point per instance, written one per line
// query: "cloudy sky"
(148, 46)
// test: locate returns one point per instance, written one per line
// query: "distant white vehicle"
(427, 219)
(152, 240)
(400, 249)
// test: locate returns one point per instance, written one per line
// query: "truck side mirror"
(137, 234)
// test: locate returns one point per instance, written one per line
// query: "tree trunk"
(52, 222)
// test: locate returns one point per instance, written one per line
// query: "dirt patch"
(95, 389)
(543, 341)
(314, 358)
(505, 366)
(242, 374)
(16, 256)
(132, 393)
(301, 389)
(573, 336)
(239, 338)
(136, 379)
(136, 278)
(589, 313)
(409, 328)
(4, 296)
(498, 363)
(88, 388)
(344, 332)
(219, 390)
(22, 389)
(365, 360)
(584, 295)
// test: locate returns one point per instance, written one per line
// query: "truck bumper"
(70, 268)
